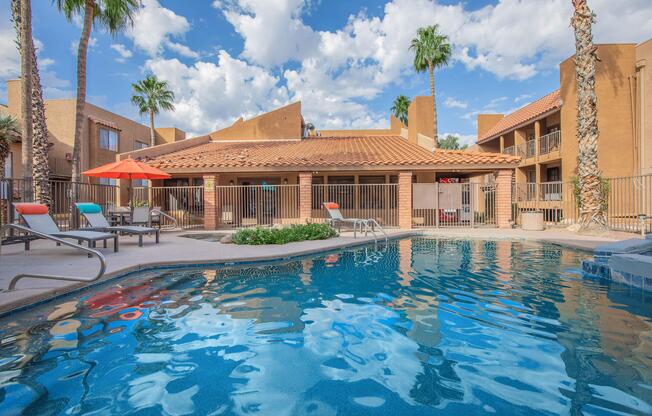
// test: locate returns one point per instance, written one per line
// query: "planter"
(532, 221)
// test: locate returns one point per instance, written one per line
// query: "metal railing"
(63, 195)
(181, 206)
(454, 205)
(373, 201)
(511, 150)
(550, 142)
(91, 252)
(530, 148)
(551, 191)
(257, 205)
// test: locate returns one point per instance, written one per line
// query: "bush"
(303, 232)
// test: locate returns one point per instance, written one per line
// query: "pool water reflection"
(420, 326)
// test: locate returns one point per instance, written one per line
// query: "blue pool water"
(418, 327)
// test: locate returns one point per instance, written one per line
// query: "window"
(553, 174)
(109, 140)
(140, 145)
(108, 181)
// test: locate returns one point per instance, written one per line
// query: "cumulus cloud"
(337, 73)
(155, 27)
(212, 95)
(451, 102)
(9, 56)
(122, 51)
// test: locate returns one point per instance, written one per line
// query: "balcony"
(550, 143)
(542, 195)
(60, 167)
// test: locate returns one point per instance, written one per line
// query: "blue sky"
(345, 60)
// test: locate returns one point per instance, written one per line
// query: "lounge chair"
(37, 218)
(337, 219)
(92, 213)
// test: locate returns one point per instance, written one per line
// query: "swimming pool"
(420, 326)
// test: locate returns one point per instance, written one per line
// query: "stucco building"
(366, 169)
(543, 133)
(105, 135)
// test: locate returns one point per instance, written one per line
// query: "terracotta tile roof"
(528, 113)
(106, 123)
(319, 152)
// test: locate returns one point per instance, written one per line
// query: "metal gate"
(453, 205)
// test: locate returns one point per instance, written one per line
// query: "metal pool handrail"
(163, 214)
(90, 251)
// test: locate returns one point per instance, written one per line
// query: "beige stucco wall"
(420, 118)
(644, 105)
(169, 135)
(487, 121)
(60, 116)
(281, 124)
(616, 149)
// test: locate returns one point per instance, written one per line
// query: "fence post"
(405, 200)
(211, 204)
(305, 196)
(504, 198)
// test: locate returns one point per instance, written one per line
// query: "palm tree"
(9, 133)
(40, 143)
(431, 50)
(150, 96)
(114, 15)
(400, 108)
(25, 48)
(592, 214)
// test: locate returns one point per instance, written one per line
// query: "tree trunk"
(40, 144)
(152, 131)
(25, 25)
(82, 51)
(592, 215)
(431, 70)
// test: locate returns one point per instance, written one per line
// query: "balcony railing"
(551, 191)
(530, 148)
(549, 143)
(511, 150)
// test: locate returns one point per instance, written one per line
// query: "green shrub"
(303, 232)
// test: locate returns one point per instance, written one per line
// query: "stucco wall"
(644, 105)
(616, 151)
(281, 124)
(487, 121)
(420, 118)
(169, 135)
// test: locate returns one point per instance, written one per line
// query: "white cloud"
(122, 51)
(451, 102)
(9, 56)
(273, 32)
(154, 28)
(212, 95)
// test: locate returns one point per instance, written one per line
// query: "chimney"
(420, 118)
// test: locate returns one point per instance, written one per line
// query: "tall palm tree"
(114, 15)
(25, 48)
(400, 108)
(592, 213)
(431, 50)
(40, 143)
(151, 96)
(9, 133)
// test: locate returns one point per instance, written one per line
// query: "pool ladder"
(370, 225)
(91, 252)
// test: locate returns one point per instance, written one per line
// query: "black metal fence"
(63, 195)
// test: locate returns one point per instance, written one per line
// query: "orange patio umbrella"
(127, 169)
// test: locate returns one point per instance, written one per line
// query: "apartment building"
(543, 133)
(105, 135)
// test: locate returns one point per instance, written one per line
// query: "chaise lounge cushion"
(89, 208)
(24, 208)
(331, 205)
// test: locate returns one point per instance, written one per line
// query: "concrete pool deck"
(46, 258)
